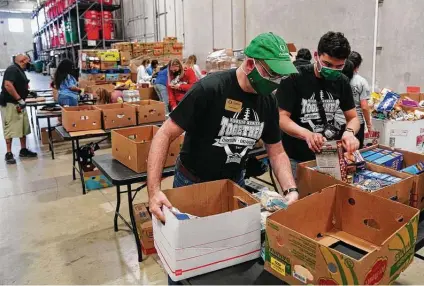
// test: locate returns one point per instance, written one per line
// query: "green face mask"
(261, 85)
(329, 73)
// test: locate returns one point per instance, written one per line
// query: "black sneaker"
(9, 158)
(25, 153)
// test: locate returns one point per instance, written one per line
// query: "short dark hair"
(154, 63)
(348, 69)
(335, 45)
(356, 59)
(304, 54)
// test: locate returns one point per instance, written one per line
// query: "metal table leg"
(73, 159)
(134, 226)
(80, 170)
(118, 205)
(49, 130)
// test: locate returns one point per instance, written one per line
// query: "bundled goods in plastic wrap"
(223, 60)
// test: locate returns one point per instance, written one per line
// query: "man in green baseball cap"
(223, 116)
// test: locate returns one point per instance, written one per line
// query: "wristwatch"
(288, 191)
(350, 130)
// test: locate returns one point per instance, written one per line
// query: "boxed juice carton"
(347, 237)
(226, 229)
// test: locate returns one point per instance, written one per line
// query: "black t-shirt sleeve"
(286, 94)
(271, 133)
(11, 74)
(190, 109)
(346, 98)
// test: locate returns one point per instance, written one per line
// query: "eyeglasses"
(271, 75)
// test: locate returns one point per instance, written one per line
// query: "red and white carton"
(226, 231)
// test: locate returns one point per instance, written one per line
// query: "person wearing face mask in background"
(180, 80)
(223, 116)
(14, 91)
(309, 100)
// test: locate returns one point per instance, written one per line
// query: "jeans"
(66, 100)
(180, 181)
(293, 164)
(162, 93)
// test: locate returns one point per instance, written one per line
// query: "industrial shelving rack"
(78, 8)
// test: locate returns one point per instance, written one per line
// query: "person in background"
(152, 67)
(180, 80)
(309, 100)
(303, 57)
(192, 63)
(361, 94)
(103, 96)
(160, 86)
(66, 84)
(14, 91)
(142, 75)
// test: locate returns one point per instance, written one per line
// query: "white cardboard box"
(227, 231)
(405, 135)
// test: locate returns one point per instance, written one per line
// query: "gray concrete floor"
(52, 234)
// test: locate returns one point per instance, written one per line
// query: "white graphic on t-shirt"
(239, 134)
(310, 113)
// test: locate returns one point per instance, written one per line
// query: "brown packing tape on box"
(347, 237)
(409, 159)
(310, 181)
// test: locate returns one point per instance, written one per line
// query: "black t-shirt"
(296, 95)
(15, 74)
(222, 123)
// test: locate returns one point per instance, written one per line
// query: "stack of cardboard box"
(143, 221)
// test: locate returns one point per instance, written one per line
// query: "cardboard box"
(108, 55)
(138, 46)
(112, 77)
(124, 76)
(149, 111)
(81, 118)
(310, 181)
(158, 52)
(170, 39)
(131, 146)
(226, 232)
(45, 136)
(108, 65)
(133, 76)
(147, 93)
(125, 58)
(85, 83)
(409, 159)
(117, 115)
(99, 77)
(143, 221)
(346, 237)
(122, 46)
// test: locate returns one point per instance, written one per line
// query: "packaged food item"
(181, 216)
(414, 169)
(270, 200)
(388, 103)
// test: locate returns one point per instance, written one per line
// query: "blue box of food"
(374, 157)
(394, 161)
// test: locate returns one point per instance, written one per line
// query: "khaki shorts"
(15, 125)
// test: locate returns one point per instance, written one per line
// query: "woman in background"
(192, 63)
(66, 84)
(142, 75)
(160, 86)
(180, 80)
(103, 96)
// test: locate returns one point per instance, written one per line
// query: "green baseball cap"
(273, 50)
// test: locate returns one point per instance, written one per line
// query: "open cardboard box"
(147, 93)
(409, 159)
(149, 111)
(81, 118)
(131, 146)
(310, 181)
(117, 115)
(226, 232)
(341, 236)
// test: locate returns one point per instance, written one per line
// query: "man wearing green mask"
(309, 100)
(223, 116)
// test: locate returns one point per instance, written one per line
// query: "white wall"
(15, 42)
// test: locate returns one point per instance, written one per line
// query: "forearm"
(292, 129)
(156, 161)
(354, 124)
(74, 88)
(12, 91)
(367, 114)
(280, 164)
